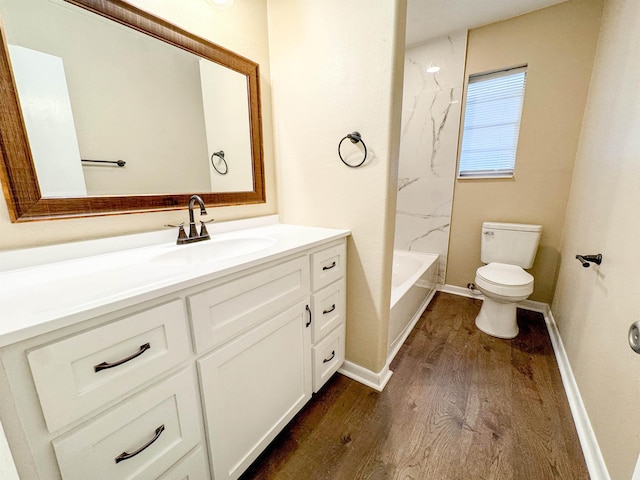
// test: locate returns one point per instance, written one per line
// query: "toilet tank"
(512, 243)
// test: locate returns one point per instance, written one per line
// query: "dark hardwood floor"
(460, 405)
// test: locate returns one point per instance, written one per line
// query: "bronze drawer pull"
(333, 307)
(126, 456)
(329, 267)
(327, 360)
(105, 365)
(309, 311)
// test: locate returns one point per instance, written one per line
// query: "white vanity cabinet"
(191, 383)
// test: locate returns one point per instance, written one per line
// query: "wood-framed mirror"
(19, 175)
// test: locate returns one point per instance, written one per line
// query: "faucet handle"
(203, 228)
(181, 233)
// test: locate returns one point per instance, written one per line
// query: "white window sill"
(483, 177)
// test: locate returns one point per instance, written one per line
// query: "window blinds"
(491, 123)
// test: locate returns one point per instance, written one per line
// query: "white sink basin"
(212, 250)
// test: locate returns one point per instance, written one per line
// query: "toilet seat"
(504, 280)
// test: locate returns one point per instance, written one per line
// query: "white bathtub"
(413, 284)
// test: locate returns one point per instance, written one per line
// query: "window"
(491, 123)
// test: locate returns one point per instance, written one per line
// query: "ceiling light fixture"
(431, 68)
(221, 4)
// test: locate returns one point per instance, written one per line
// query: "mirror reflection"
(94, 93)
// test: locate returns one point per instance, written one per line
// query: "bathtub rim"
(428, 259)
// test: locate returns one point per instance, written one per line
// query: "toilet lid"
(504, 274)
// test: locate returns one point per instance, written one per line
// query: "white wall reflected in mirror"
(133, 98)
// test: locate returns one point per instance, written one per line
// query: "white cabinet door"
(253, 386)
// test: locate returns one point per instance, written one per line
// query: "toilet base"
(498, 319)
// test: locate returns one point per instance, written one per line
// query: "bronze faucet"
(194, 236)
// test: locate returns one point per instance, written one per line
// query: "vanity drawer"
(328, 356)
(328, 265)
(79, 374)
(328, 306)
(139, 439)
(222, 312)
(192, 467)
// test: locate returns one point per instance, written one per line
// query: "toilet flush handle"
(488, 232)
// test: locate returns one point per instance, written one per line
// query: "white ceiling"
(428, 19)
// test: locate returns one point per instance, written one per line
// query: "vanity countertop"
(41, 298)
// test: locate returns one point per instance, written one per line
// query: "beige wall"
(558, 44)
(242, 29)
(335, 71)
(594, 307)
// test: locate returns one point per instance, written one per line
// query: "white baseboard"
(540, 307)
(636, 471)
(590, 448)
(377, 381)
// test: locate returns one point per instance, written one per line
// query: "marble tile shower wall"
(428, 149)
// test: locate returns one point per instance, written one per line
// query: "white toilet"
(507, 249)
